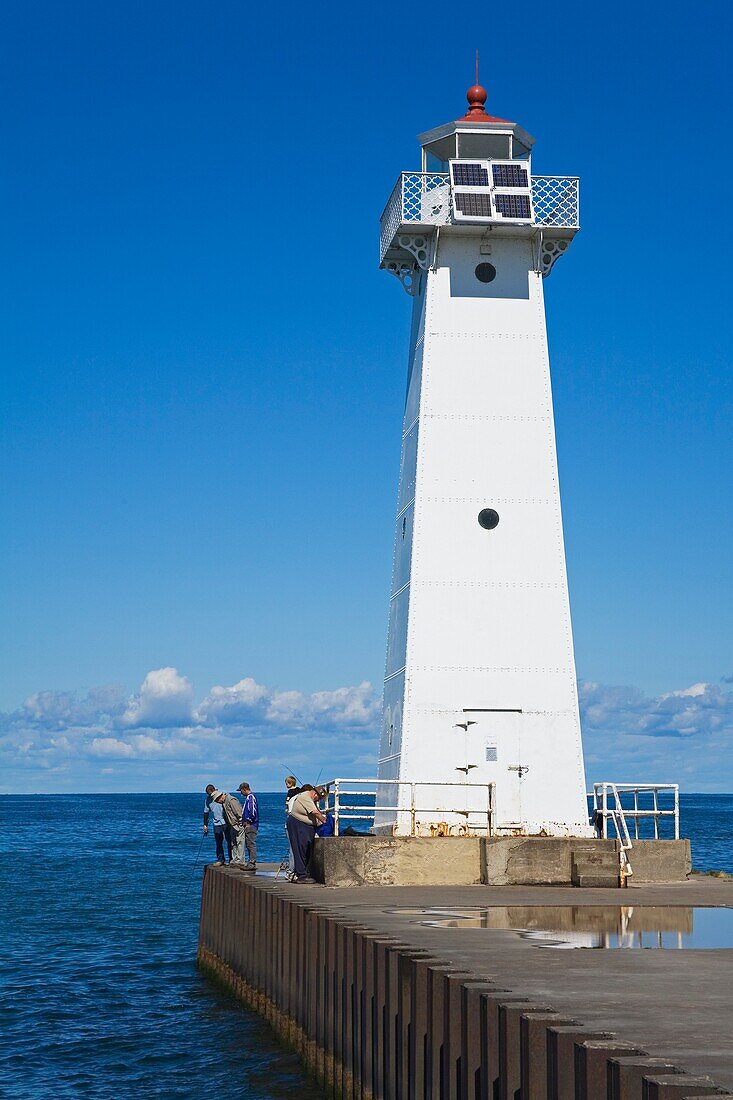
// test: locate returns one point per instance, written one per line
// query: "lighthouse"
(480, 684)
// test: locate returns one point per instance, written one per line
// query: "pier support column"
(591, 1065)
(533, 1051)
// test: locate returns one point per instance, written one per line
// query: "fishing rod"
(290, 772)
(193, 872)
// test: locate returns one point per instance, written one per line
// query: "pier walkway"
(381, 1003)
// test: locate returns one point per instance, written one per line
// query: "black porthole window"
(488, 518)
(485, 273)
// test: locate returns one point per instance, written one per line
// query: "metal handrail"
(638, 812)
(357, 812)
(618, 814)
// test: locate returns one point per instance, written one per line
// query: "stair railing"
(615, 813)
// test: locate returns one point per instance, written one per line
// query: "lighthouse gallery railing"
(423, 198)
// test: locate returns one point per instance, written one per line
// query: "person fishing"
(292, 790)
(234, 828)
(328, 828)
(222, 832)
(303, 818)
(250, 819)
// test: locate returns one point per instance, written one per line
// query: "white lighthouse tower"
(480, 682)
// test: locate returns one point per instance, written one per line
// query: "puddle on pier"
(671, 927)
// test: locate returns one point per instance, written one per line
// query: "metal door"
(497, 749)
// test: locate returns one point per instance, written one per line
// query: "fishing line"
(193, 872)
(290, 772)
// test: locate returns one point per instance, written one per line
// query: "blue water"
(99, 993)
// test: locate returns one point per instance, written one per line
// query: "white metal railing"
(608, 806)
(423, 198)
(636, 812)
(479, 818)
(556, 201)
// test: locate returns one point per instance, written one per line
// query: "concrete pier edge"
(372, 1015)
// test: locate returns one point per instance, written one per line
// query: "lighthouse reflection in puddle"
(676, 927)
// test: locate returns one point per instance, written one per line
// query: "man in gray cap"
(232, 812)
(222, 831)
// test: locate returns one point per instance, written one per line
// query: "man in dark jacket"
(250, 823)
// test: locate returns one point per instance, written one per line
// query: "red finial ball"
(476, 97)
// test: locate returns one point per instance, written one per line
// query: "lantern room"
(475, 136)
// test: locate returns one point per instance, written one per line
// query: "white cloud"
(683, 736)
(229, 705)
(251, 704)
(350, 707)
(111, 746)
(701, 710)
(158, 735)
(693, 692)
(164, 700)
(242, 727)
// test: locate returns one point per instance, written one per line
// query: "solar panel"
(470, 175)
(491, 190)
(510, 175)
(473, 204)
(513, 206)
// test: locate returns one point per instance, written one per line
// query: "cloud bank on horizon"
(160, 738)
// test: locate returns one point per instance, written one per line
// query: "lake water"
(99, 910)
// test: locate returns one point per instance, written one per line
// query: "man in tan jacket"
(232, 810)
(303, 817)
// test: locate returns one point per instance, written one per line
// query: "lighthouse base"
(494, 861)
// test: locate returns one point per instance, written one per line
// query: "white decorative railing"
(423, 198)
(420, 808)
(556, 201)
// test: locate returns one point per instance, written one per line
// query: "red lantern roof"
(476, 96)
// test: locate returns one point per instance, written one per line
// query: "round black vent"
(488, 518)
(485, 273)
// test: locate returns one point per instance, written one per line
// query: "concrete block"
(406, 965)
(454, 1066)
(535, 861)
(591, 1065)
(500, 861)
(371, 1049)
(677, 1086)
(533, 1051)
(660, 860)
(383, 1033)
(419, 1033)
(561, 1040)
(625, 1075)
(441, 1081)
(397, 861)
(350, 1014)
(510, 1049)
(599, 868)
(473, 1086)
(597, 882)
(596, 857)
(491, 1004)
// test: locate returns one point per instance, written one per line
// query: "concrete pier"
(494, 861)
(380, 1004)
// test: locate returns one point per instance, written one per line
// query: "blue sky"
(203, 374)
